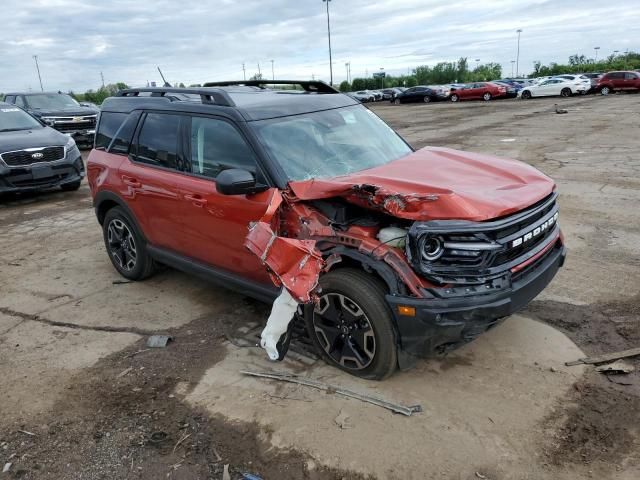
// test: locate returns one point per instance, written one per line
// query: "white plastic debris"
(282, 312)
(7, 467)
(393, 236)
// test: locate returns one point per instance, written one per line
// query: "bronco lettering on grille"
(535, 232)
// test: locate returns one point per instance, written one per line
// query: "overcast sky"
(195, 41)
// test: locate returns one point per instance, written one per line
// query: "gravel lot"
(82, 397)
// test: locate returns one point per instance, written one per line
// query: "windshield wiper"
(13, 129)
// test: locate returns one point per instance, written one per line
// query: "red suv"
(387, 254)
(478, 91)
(614, 81)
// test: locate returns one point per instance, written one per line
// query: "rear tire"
(486, 97)
(125, 246)
(454, 97)
(565, 92)
(352, 326)
(71, 187)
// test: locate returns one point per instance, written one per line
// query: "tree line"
(441, 73)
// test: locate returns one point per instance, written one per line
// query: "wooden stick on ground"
(608, 357)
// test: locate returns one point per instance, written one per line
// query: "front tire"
(486, 97)
(125, 246)
(454, 98)
(352, 325)
(526, 95)
(426, 99)
(397, 101)
(606, 91)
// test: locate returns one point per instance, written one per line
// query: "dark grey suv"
(34, 156)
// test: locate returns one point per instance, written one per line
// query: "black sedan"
(418, 94)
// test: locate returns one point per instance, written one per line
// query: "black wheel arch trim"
(106, 196)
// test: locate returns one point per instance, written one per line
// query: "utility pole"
(244, 72)
(273, 75)
(35, 57)
(518, 54)
(329, 35)
(596, 49)
(259, 72)
(102, 77)
(346, 65)
(512, 64)
(477, 63)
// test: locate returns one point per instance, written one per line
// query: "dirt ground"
(82, 397)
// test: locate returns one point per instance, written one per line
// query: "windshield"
(51, 101)
(330, 143)
(12, 119)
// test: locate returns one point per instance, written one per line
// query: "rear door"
(216, 225)
(148, 178)
(617, 80)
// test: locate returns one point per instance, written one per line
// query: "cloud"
(195, 41)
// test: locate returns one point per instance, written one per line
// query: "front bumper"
(43, 176)
(442, 324)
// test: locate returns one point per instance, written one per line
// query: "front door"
(216, 225)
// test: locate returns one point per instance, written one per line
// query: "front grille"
(21, 158)
(475, 252)
(73, 126)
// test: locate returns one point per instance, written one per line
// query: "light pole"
(244, 72)
(477, 63)
(346, 66)
(35, 57)
(382, 76)
(518, 54)
(273, 75)
(513, 62)
(259, 72)
(329, 35)
(596, 49)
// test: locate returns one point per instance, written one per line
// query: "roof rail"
(308, 85)
(207, 95)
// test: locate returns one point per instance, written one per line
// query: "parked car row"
(564, 85)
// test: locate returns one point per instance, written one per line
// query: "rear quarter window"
(108, 125)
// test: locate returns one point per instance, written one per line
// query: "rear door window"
(630, 76)
(108, 125)
(20, 101)
(158, 141)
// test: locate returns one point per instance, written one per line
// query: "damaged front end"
(447, 281)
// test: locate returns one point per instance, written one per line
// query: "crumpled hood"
(437, 183)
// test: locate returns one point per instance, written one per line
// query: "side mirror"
(235, 181)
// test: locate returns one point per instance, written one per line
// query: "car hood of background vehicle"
(65, 112)
(436, 184)
(37, 137)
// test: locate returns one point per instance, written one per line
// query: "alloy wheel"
(344, 331)
(605, 91)
(122, 245)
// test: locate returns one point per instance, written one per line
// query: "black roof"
(249, 100)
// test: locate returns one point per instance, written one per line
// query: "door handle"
(132, 182)
(196, 199)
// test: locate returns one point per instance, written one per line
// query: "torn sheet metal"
(294, 264)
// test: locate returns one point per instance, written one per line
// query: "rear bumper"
(42, 176)
(442, 324)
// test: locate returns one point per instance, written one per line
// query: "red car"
(311, 201)
(478, 91)
(613, 81)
